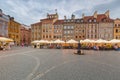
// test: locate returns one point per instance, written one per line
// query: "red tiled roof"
(86, 18)
(47, 19)
(59, 22)
(99, 18)
(35, 24)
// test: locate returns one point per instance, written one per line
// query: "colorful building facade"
(4, 19)
(117, 28)
(58, 29)
(36, 31)
(25, 35)
(14, 30)
(48, 26)
(97, 26)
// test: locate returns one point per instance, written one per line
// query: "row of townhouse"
(97, 26)
(12, 29)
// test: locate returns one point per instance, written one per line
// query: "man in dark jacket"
(79, 48)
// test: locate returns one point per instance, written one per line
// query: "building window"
(43, 36)
(68, 27)
(81, 20)
(47, 36)
(64, 32)
(54, 36)
(71, 32)
(95, 36)
(116, 30)
(119, 25)
(65, 27)
(90, 20)
(72, 27)
(94, 20)
(68, 32)
(83, 31)
(76, 36)
(68, 20)
(43, 30)
(78, 21)
(115, 25)
(104, 20)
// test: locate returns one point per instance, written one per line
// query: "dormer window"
(94, 20)
(68, 20)
(71, 20)
(81, 20)
(104, 20)
(78, 21)
(90, 20)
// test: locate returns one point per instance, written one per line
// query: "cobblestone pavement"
(26, 63)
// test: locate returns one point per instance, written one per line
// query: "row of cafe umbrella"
(60, 42)
(56, 41)
(74, 41)
(100, 41)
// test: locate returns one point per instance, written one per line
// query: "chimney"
(0, 10)
(83, 15)
(72, 16)
(47, 15)
(65, 17)
(107, 13)
(95, 14)
(12, 18)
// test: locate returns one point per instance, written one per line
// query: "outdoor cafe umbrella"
(34, 42)
(43, 41)
(114, 41)
(87, 41)
(3, 39)
(72, 41)
(101, 41)
(58, 41)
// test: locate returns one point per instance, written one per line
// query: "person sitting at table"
(115, 47)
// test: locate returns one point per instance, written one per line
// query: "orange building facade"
(14, 30)
(117, 28)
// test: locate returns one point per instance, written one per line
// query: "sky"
(31, 11)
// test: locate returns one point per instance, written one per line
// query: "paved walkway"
(58, 64)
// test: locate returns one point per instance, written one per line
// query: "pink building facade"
(25, 37)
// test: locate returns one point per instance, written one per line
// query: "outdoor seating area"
(86, 44)
(5, 43)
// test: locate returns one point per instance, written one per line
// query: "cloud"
(30, 11)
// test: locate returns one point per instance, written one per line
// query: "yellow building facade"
(117, 29)
(36, 31)
(14, 31)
